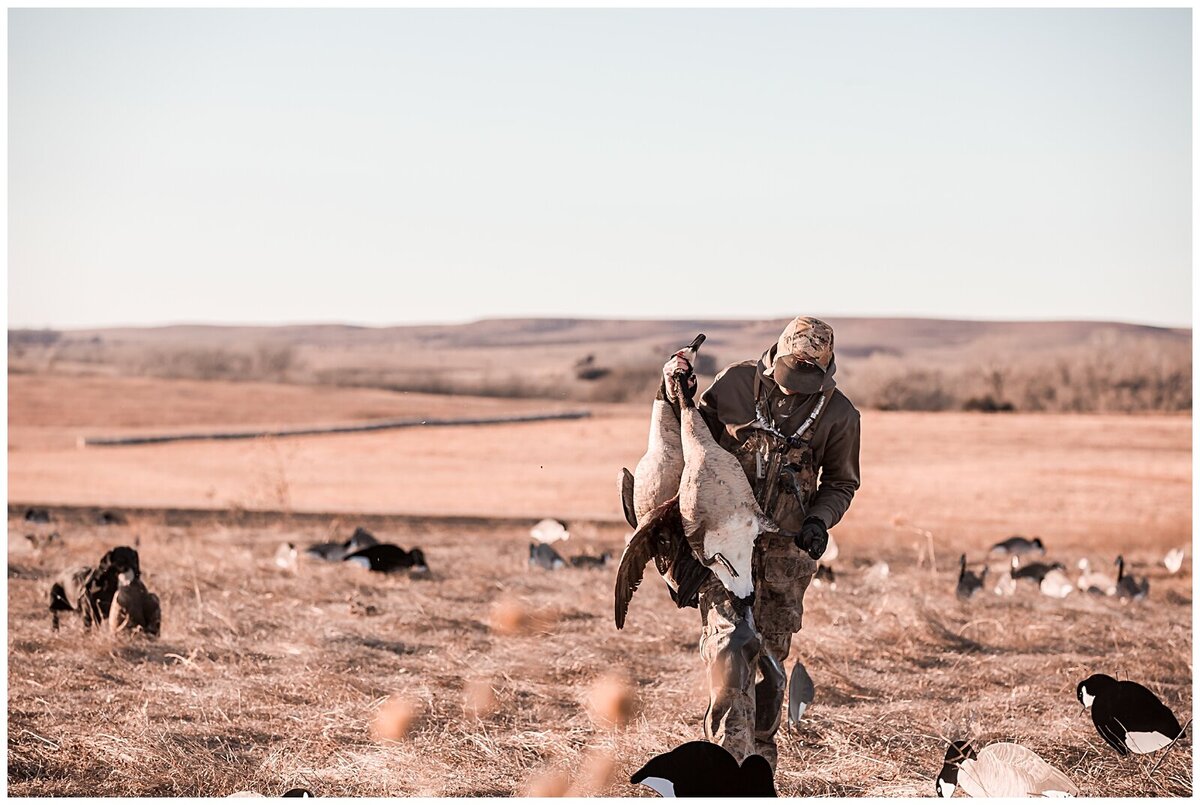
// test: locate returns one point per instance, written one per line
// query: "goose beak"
(695, 345)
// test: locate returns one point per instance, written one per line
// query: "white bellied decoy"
(703, 769)
(1130, 586)
(1127, 715)
(969, 583)
(1000, 770)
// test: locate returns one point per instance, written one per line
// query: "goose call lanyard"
(766, 422)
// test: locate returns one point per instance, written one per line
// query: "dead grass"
(265, 680)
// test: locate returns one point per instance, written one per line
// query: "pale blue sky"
(394, 166)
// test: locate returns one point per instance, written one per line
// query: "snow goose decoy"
(800, 694)
(1000, 770)
(1093, 581)
(968, 582)
(1019, 546)
(720, 517)
(134, 607)
(1128, 716)
(1130, 586)
(1055, 584)
(387, 558)
(1173, 560)
(703, 769)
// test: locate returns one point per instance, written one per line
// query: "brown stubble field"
(264, 679)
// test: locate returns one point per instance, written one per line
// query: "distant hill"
(924, 364)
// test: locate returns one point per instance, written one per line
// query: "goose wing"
(644, 545)
(1046, 779)
(626, 485)
(988, 776)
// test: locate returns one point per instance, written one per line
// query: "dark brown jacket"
(728, 408)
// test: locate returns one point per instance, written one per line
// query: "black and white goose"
(969, 583)
(337, 551)
(1130, 586)
(720, 517)
(1019, 546)
(388, 558)
(543, 555)
(1000, 770)
(1036, 571)
(1127, 715)
(703, 769)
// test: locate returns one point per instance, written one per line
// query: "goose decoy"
(37, 515)
(1036, 571)
(1089, 580)
(1006, 584)
(703, 769)
(1127, 715)
(720, 517)
(549, 531)
(337, 551)
(1173, 560)
(134, 607)
(291, 792)
(543, 556)
(825, 575)
(109, 517)
(388, 558)
(800, 694)
(285, 556)
(1000, 770)
(67, 591)
(1019, 546)
(969, 583)
(583, 560)
(832, 552)
(1130, 586)
(40, 542)
(1055, 584)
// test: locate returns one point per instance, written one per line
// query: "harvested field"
(264, 679)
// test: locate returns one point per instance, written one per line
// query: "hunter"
(797, 437)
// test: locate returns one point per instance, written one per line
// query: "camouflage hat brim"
(798, 377)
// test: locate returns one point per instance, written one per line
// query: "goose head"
(683, 383)
(947, 779)
(1087, 690)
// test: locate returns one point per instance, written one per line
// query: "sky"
(393, 166)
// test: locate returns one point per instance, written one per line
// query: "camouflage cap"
(805, 341)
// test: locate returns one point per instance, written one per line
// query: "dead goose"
(1000, 770)
(1130, 586)
(968, 583)
(721, 520)
(800, 694)
(134, 607)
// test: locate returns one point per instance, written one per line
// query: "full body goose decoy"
(337, 551)
(703, 769)
(134, 607)
(544, 556)
(1128, 716)
(1093, 580)
(388, 558)
(1055, 584)
(1006, 584)
(1173, 560)
(969, 583)
(1019, 546)
(720, 518)
(1129, 586)
(1000, 770)
(1036, 571)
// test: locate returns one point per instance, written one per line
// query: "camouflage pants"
(745, 656)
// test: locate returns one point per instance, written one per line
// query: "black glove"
(813, 538)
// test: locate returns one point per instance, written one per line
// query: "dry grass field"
(265, 678)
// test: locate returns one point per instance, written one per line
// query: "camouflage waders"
(745, 656)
